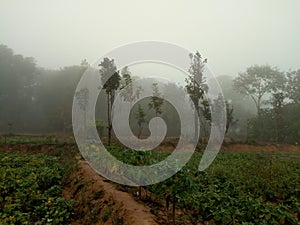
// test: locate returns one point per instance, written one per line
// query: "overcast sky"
(232, 34)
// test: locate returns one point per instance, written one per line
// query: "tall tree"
(156, 100)
(126, 85)
(294, 86)
(277, 103)
(140, 118)
(258, 81)
(217, 106)
(17, 83)
(111, 82)
(129, 94)
(196, 87)
(82, 98)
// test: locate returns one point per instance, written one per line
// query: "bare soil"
(270, 148)
(100, 202)
(170, 144)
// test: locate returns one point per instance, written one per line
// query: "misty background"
(47, 45)
(232, 34)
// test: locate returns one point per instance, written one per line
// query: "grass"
(16, 139)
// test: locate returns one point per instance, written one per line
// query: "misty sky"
(232, 34)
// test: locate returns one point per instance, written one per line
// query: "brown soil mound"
(99, 202)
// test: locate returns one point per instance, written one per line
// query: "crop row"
(237, 188)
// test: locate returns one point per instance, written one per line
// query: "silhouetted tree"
(217, 106)
(17, 85)
(293, 85)
(258, 81)
(156, 100)
(111, 82)
(140, 118)
(128, 93)
(196, 87)
(82, 98)
(277, 103)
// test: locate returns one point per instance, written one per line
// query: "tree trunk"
(203, 124)
(109, 135)
(173, 211)
(140, 192)
(167, 201)
(259, 106)
(196, 122)
(109, 118)
(140, 131)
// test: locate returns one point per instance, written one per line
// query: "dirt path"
(272, 148)
(101, 203)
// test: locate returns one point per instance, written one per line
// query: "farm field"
(237, 188)
(31, 190)
(55, 186)
(150, 113)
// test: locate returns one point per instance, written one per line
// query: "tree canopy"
(258, 81)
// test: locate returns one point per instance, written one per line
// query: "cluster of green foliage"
(276, 97)
(11, 139)
(196, 87)
(31, 190)
(269, 126)
(34, 99)
(238, 188)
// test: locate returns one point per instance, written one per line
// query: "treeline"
(262, 102)
(38, 100)
(33, 99)
(276, 96)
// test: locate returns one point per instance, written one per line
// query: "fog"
(252, 47)
(149, 112)
(232, 34)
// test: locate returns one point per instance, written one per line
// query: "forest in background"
(38, 100)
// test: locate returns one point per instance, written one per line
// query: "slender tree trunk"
(140, 192)
(173, 211)
(109, 135)
(196, 122)
(84, 126)
(168, 201)
(202, 123)
(204, 128)
(109, 118)
(259, 106)
(112, 99)
(140, 131)
(279, 124)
